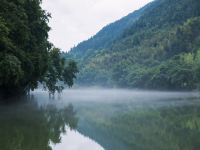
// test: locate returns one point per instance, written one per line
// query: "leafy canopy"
(26, 55)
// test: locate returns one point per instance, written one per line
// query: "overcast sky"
(76, 20)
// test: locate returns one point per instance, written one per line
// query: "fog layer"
(115, 95)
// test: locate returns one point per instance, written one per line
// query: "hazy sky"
(76, 20)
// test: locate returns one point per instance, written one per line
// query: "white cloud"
(76, 20)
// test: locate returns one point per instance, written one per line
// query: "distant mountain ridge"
(108, 34)
(154, 47)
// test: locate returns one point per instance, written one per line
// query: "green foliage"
(70, 73)
(26, 56)
(11, 72)
(58, 71)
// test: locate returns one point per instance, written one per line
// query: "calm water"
(96, 119)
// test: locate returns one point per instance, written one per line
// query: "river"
(101, 119)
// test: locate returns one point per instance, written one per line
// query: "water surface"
(96, 119)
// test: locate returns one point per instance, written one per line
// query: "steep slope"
(158, 50)
(105, 37)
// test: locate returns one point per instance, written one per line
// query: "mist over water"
(101, 95)
(103, 119)
(124, 119)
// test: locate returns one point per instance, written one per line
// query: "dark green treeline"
(26, 55)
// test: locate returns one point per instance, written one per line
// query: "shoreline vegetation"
(27, 58)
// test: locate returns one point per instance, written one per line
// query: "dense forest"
(27, 58)
(156, 47)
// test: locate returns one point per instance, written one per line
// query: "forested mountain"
(105, 37)
(158, 47)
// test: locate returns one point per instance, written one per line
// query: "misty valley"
(99, 74)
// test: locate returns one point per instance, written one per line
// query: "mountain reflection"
(28, 126)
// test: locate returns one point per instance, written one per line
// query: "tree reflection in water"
(27, 126)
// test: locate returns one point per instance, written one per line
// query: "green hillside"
(159, 49)
(105, 37)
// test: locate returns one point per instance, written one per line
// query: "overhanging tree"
(26, 55)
